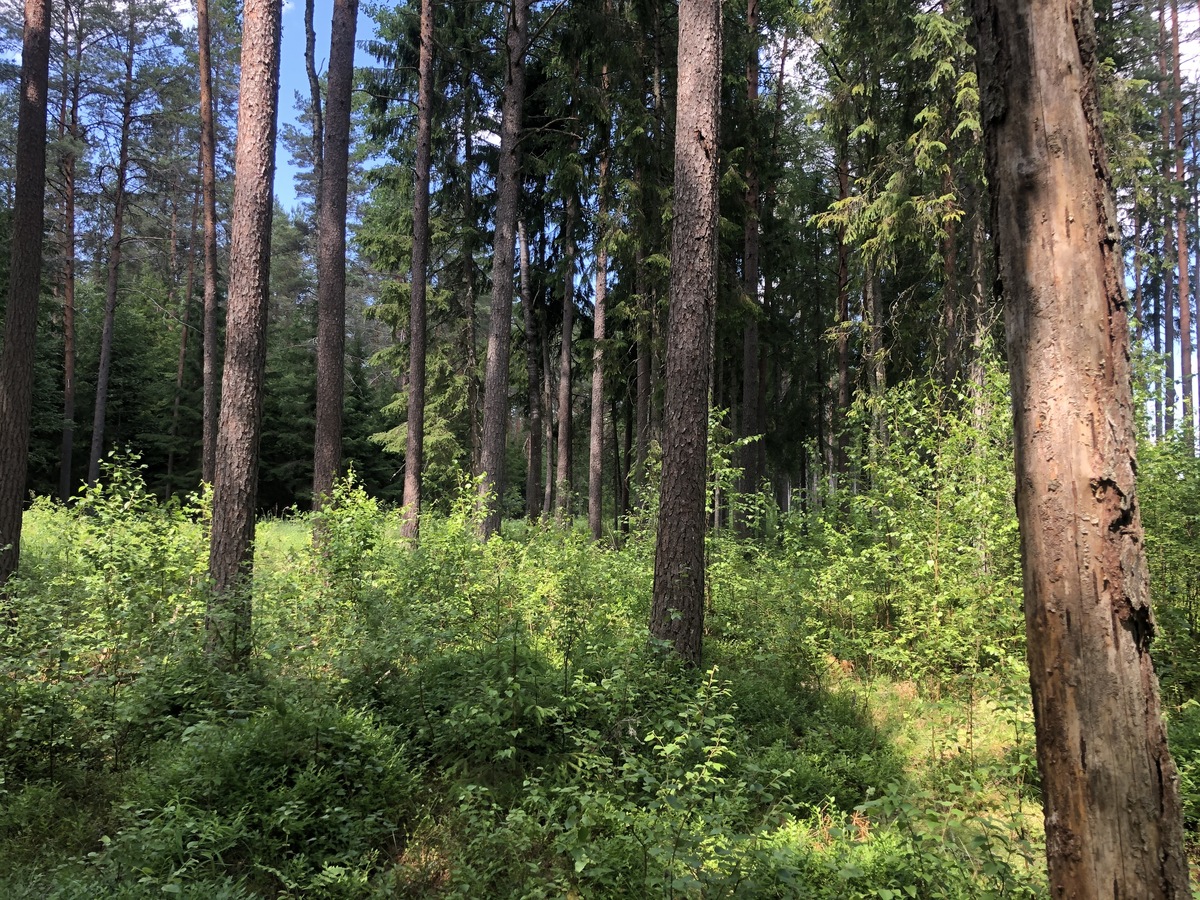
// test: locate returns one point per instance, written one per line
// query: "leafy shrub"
(302, 797)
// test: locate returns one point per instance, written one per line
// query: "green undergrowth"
(459, 718)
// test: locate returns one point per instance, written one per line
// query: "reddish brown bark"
(1110, 788)
(235, 489)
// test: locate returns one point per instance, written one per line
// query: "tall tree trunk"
(235, 489)
(184, 328)
(114, 256)
(208, 181)
(331, 253)
(533, 480)
(547, 426)
(562, 477)
(752, 413)
(596, 424)
(1181, 239)
(840, 425)
(314, 100)
(1113, 822)
(495, 390)
(645, 361)
(470, 294)
(72, 76)
(24, 282)
(677, 613)
(414, 449)
(876, 353)
(1168, 245)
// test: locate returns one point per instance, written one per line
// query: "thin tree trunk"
(314, 100)
(1181, 240)
(185, 324)
(547, 427)
(596, 424)
(235, 490)
(208, 181)
(331, 254)
(414, 451)
(1168, 246)
(533, 482)
(1110, 788)
(24, 282)
(645, 354)
(751, 411)
(677, 613)
(470, 294)
(495, 391)
(840, 425)
(71, 74)
(114, 258)
(562, 478)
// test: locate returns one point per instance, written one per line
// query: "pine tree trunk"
(644, 349)
(840, 424)
(1168, 241)
(208, 181)
(414, 450)
(533, 472)
(752, 413)
(184, 330)
(495, 390)
(235, 488)
(1113, 822)
(24, 282)
(562, 476)
(1181, 240)
(71, 75)
(677, 614)
(114, 259)
(547, 426)
(314, 100)
(596, 423)
(331, 253)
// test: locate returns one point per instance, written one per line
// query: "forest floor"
(462, 718)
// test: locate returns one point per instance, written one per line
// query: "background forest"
(467, 717)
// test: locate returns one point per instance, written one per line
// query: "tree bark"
(235, 489)
(752, 459)
(71, 75)
(314, 99)
(1113, 823)
(208, 181)
(596, 423)
(414, 449)
(24, 282)
(677, 614)
(495, 387)
(331, 253)
(562, 474)
(1181, 240)
(114, 257)
(533, 480)
(184, 329)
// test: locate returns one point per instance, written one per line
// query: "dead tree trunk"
(1113, 822)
